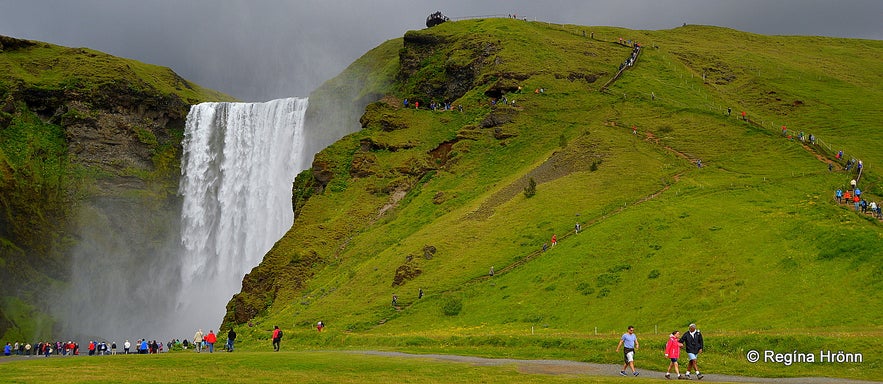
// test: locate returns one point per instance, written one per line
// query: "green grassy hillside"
(81, 133)
(752, 243)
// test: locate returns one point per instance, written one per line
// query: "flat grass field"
(264, 367)
(323, 367)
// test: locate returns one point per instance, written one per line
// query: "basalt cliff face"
(87, 141)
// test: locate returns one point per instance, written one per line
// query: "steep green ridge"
(751, 243)
(84, 137)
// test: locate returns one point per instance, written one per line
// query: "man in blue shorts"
(629, 342)
(693, 343)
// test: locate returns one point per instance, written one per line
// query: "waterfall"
(238, 166)
(149, 268)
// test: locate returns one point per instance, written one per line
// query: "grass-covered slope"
(750, 243)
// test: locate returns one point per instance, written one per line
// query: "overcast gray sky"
(257, 50)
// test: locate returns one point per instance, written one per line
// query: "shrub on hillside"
(531, 189)
(452, 306)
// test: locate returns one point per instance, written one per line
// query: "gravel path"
(566, 367)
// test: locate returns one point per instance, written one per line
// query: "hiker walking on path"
(693, 344)
(673, 352)
(629, 343)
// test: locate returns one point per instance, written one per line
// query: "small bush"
(605, 279)
(452, 306)
(604, 292)
(653, 274)
(531, 189)
(585, 288)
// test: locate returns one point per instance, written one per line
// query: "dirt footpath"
(566, 367)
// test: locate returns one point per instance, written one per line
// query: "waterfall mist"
(122, 269)
(144, 269)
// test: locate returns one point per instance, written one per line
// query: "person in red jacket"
(277, 337)
(673, 352)
(210, 339)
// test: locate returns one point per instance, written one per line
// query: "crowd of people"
(70, 348)
(636, 49)
(853, 195)
(844, 196)
(200, 342)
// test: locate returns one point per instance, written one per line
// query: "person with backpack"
(277, 338)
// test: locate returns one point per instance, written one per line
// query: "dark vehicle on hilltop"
(435, 19)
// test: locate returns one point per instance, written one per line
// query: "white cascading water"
(238, 166)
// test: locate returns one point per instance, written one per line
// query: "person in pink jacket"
(673, 352)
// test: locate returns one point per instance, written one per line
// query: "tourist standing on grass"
(277, 337)
(197, 341)
(693, 344)
(126, 347)
(629, 343)
(210, 340)
(673, 352)
(231, 338)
